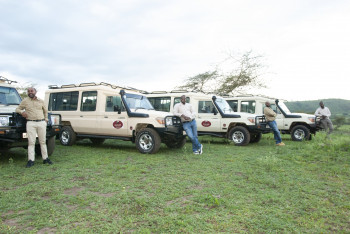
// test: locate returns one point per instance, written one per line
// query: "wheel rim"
(238, 137)
(299, 134)
(65, 137)
(146, 142)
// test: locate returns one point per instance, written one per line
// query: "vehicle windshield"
(9, 96)
(284, 107)
(135, 102)
(224, 106)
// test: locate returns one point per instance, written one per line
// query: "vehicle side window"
(88, 101)
(114, 103)
(178, 100)
(248, 106)
(66, 101)
(206, 107)
(160, 103)
(274, 108)
(233, 104)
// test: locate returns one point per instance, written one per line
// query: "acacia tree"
(199, 82)
(235, 73)
(22, 89)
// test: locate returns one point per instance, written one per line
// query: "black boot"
(48, 161)
(30, 163)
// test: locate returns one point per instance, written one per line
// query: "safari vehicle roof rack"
(4, 79)
(94, 84)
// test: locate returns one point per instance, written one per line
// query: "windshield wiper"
(12, 103)
(140, 107)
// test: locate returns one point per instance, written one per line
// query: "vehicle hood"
(152, 112)
(8, 109)
(303, 115)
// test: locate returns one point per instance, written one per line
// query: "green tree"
(339, 121)
(22, 89)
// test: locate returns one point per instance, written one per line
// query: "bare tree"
(235, 73)
(199, 82)
(245, 71)
(22, 89)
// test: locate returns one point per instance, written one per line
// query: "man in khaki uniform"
(270, 116)
(34, 110)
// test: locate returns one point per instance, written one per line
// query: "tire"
(300, 133)
(176, 144)
(50, 144)
(239, 135)
(255, 138)
(97, 141)
(148, 141)
(67, 136)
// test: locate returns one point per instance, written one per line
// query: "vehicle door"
(208, 116)
(113, 120)
(86, 117)
(279, 117)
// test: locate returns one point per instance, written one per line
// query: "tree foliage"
(22, 89)
(236, 72)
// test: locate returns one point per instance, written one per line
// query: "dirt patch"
(72, 191)
(79, 178)
(46, 230)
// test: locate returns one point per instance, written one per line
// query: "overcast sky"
(156, 44)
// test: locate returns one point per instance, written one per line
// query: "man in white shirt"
(324, 113)
(187, 114)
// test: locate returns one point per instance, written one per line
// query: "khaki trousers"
(327, 125)
(34, 128)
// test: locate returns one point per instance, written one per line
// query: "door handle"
(81, 116)
(106, 117)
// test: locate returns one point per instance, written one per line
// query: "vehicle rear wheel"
(97, 141)
(148, 141)
(176, 144)
(300, 133)
(50, 144)
(255, 138)
(67, 136)
(239, 135)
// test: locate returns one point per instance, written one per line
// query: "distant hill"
(336, 106)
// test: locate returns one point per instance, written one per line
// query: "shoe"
(201, 150)
(48, 161)
(196, 152)
(280, 144)
(30, 163)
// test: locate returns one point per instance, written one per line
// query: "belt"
(188, 121)
(36, 120)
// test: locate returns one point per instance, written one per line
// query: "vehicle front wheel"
(50, 144)
(239, 135)
(255, 138)
(176, 144)
(300, 133)
(67, 136)
(148, 141)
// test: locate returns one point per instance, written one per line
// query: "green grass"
(302, 187)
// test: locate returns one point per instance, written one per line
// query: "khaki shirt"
(186, 110)
(270, 115)
(35, 108)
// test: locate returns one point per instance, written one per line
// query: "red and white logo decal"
(117, 124)
(206, 124)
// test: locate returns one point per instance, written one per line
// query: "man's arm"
(317, 112)
(193, 112)
(21, 107)
(269, 112)
(45, 112)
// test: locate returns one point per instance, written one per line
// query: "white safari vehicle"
(13, 131)
(214, 116)
(299, 125)
(104, 111)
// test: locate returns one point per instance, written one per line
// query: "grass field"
(302, 187)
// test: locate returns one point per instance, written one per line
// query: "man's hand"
(185, 117)
(24, 114)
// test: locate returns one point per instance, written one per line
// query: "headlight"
(4, 121)
(312, 119)
(251, 119)
(169, 121)
(55, 119)
(160, 120)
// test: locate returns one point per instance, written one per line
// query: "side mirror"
(215, 111)
(116, 108)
